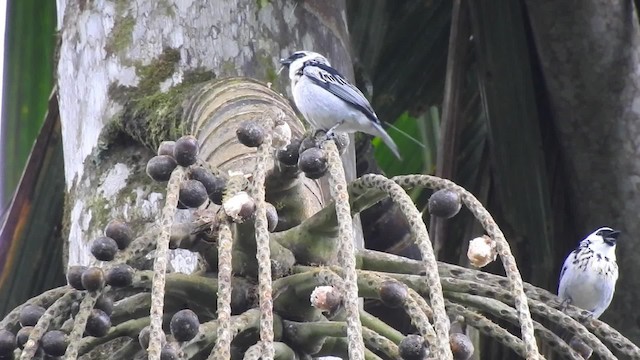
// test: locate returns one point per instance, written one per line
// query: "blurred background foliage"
(30, 241)
(466, 80)
(461, 77)
(30, 41)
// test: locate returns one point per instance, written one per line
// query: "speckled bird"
(589, 274)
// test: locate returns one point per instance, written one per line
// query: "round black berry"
(579, 346)
(169, 353)
(143, 337)
(30, 314)
(74, 307)
(444, 203)
(159, 167)
(74, 276)
(212, 183)
(166, 148)
(23, 335)
(93, 279)
(7, 342)
(203, 175)
(104, 248)
(290, 154)
(104, 303)
(393, 293)
(98, 323)
(54, 343)
(412, 347)
(307, 143)
(120, 232)
(192, 193)
(186, 150)
(184, 325)
(272, 217)
(216, 191)
(313, 162)
(461, 346)
(120, 275)
(250, 134)
(181, 206)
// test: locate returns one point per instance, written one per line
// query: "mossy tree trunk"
(124, 70)
(589, 53)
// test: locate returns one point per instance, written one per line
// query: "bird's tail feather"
(416, 141)
(387, 140)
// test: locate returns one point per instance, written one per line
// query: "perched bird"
(589, 274)
(328, 101)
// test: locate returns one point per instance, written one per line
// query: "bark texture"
(590, 54)
(113, 51)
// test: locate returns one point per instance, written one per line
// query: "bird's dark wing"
(330, 79)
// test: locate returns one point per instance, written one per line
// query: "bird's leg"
(319, 136)
(330, 132)
(588, 317)
(319, 132)
(564, 304)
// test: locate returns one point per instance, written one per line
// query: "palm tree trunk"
(125, 69)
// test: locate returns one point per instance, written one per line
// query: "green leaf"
(28, 80)
(418, 154)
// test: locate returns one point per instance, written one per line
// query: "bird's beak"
(612, 237)
(286, 62)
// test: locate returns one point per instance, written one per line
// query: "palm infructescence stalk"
(266, 244)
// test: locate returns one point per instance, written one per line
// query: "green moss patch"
(150, 115)
(121, 35)
(158, 70)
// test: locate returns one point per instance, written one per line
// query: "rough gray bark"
(152, 47)
(590, 52)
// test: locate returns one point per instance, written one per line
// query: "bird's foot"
(319, 133)
(331, 131)
(341, 139)
(320, 136)
(330, 135)
(587, 316)
(324, 135)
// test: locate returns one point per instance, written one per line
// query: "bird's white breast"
(589, 281)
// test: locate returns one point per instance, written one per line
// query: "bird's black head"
(296, 55)
(609, 235)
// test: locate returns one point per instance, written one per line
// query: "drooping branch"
(80, 322)
(509, 262)
(263, 251)
(223, 341)
(419, 232)
(346, 250)
(501, 310)
(160, 263)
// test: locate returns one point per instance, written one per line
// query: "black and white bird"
(328, 101)
(589, 274)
